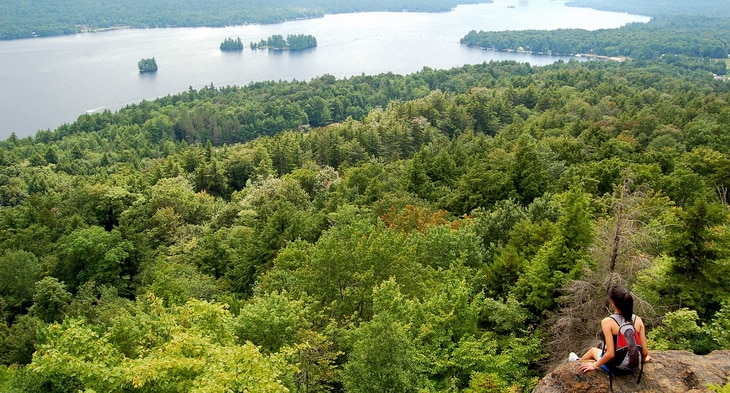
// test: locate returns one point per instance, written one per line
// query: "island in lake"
(292, 42)
(147, 65)
(231, 45)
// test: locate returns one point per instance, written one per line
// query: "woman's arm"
(606, 326)
(642, 336)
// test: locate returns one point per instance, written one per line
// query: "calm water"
(47, 82)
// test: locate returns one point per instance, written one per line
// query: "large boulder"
(668, 372)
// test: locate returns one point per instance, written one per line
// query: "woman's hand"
(647, 359)
(586, 367)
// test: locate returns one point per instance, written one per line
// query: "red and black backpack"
(627, 357)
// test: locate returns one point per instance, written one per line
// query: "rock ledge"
(668, 372)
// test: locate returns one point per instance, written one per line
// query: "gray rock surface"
(668, 372)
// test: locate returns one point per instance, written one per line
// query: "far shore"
(87, 29)
(593, 56)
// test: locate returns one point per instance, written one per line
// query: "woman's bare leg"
(592, 355)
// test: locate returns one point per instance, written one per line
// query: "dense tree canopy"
(431, 232)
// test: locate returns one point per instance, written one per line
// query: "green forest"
(445, 231)
(686, 36)
(42, 18)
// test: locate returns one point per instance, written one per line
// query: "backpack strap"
(638, 380)
(641, 367)
(616, 317)
(641, 371)
(610, 382)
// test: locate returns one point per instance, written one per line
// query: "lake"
(45, 82)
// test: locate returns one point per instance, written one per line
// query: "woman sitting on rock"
(617, 355)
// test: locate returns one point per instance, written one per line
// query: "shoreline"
(529, 52)
(87, 29)
(602, 57)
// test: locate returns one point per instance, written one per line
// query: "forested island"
(147, 65)
(439, 231)
(231, 45)
(291, 42)
(42, 18)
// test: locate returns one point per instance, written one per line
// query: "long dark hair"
(623, 300)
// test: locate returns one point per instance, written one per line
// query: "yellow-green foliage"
(719, 389)
(150, 347)
(682, 329)
(6, 376)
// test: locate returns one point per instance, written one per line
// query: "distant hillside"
(678, 30)
(715, 8)
(24, 19)
(685, 36)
